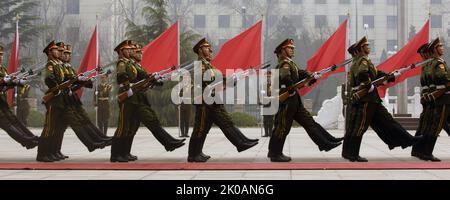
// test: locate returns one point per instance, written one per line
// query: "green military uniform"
(185, 118)
(207, 115)
(368, 111)
(268, 120)
(23, 107)
(440, 77)
(427, 106)
(103, 93)
(9, 122)
(293, 109)
(133, 111)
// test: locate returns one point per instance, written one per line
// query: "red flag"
(406, 56)
(242, 51)
(162, 52)
(13, 63)
(91, 58)
(332, 52)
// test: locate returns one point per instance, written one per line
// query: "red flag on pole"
(332, 52)
(406, 56)
(162, 52)
(91, 58)
(13, 62)
(242, 51)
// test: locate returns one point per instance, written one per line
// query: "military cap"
(60, 46)
(286, 43)
(202, 43)
(423, 49)
(363, 41)
(136, 46)
(126, 44)
(435, 43)
(352, 49)
(67, 48)
(50, 46)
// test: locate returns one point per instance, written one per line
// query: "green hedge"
(244, 120)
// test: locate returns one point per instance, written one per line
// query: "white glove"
(397, 74)
(263, 92)
(96, 92)
(7, 79)
(156, 75)
(20, 81)
(317, 76)
(83, 78)
(130, 92)
(372, 88)
(70, 93)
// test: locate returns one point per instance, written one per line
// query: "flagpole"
(179, 87)
(261, 123)
(16, 56)
(347, 69)
(96, 65)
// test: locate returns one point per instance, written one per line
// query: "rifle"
(144, 84)
(244, 74)
(91, 79)
(55, 91)
(383, 80)
(303, 83)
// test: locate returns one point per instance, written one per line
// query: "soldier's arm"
(441, 74)
(122, 77)
(381, 74)
(302, 74)
(363, 74)
(50, 78)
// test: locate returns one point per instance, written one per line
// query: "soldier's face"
(366, 49)
(67, 57)
(207, 53)
(126, 53)
(137, 55)
(55, 53)
(289, 52)
(440, 50)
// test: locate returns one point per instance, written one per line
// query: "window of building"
(296, 1)
(224, 21)
(199, 1)
(344, 1)
(73, 7)
(369, 20)
(321, 21)
(320, 1)
(199, 21)
(368, 2)
(436, 21)
(392, 22)
(391, 2)
(436, 1)
(391, 44)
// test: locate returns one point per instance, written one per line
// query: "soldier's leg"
(223, 120)
(398, 134)
(202, 125)
(315, 131)
(93, 132)
(118, 151)
(362, 119)
(16, 129)
(52, 116)
(440, 114)
(424, 121)
(283, 124)
(148, 117)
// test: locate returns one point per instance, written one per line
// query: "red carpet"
(227, 166)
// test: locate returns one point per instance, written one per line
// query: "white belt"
(441, 87)
(103, 99)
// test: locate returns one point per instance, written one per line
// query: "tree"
(384, 56)
(412, 32)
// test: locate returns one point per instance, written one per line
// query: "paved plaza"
(298, 145)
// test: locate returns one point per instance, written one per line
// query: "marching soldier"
(8, 121)
(23, 107)
(425, 116)
(207, 115)
(293, 109)
(440, 77)
(136, 108)
(368, 110)
(268, 120)
(88, 133)
(185, 118)
(102, 101)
